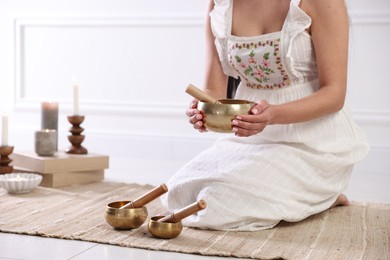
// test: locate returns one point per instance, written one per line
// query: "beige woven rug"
(360, 231)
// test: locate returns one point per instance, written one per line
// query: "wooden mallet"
(146, 198)
(200, 95)
(185, 212)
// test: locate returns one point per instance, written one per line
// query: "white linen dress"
(287, 172)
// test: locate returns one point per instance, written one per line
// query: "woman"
(292, 156)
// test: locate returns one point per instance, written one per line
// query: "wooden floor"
(369, 187)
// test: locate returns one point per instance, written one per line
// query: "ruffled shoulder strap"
(297, 21)
(221, 18)
(296, 2)
(221, 21)
(297, 16)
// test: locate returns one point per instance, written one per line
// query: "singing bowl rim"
(230, 101)
(125, 218)
(163, 229)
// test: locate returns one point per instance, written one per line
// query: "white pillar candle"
(75, 98)
(4, 139)
(46, 142)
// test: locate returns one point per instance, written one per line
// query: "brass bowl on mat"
(125, 218)
(164, 229)
(218, 117)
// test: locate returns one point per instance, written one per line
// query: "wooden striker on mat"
(185, 212)
(147, 197)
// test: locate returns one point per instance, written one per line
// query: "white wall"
(133, 60)
(368, 90)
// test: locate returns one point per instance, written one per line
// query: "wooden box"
(62, 169)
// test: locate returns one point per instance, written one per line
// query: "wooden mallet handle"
(146, 198)
(200, 95)
(185, 212)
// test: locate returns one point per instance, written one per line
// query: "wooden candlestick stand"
(5, 160)
(76, 138)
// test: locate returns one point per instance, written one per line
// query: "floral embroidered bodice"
(257, 61)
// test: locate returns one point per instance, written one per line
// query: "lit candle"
(49, 118)
(4, 140)
(75, 97)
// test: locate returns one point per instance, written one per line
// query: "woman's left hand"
(260, 116)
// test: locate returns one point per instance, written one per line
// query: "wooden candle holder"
(76, 138)
(5, 151)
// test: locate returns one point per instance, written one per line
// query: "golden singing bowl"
(218, 117)
(125, 218)
(164, 229)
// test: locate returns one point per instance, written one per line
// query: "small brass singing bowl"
(164, 229)
(125, 218)
(218, 117)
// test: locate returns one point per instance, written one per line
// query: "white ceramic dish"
(20, 182)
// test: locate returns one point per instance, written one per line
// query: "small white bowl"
(20, 182)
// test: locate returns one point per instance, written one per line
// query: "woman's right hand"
(195, 116)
